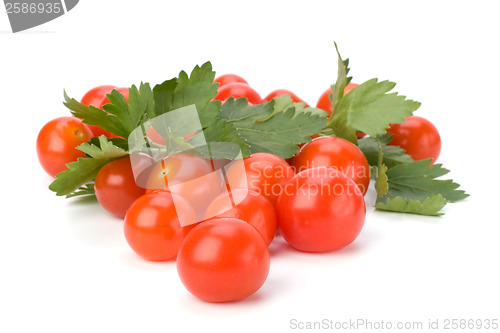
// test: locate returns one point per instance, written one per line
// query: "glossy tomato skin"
(57, 141)
(238, 90)
(263, 173)
(249, 206)
(189, 176)
(320, 210)
(337, 153)
(324, 100)
(157, 223)
(281, 92)
(229, 78)
(94, 97)
(418, 136)
(115, 187)
(223, 260)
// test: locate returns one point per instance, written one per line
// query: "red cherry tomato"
(337, 153)
(229, 78)
(223, 260)
(94, 97)
(263, 172)
(57, 141)
(281, 92)
(249, 206)
(190, 176)
(418, 136)
(238, 90)
(324, 100)
(320, 210)
(115, 187)
(157, 223)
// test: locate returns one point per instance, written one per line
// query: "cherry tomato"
(320, 210)
(94, 97)
(229, 78)
(418, 136)
(223, 260)
(249, 206)
(238, 90)
(281, 92)
(189, 176)
(57, 141)
(337, 153)
(157, 223)
(115, 187)
(263, 172)
(324, 100)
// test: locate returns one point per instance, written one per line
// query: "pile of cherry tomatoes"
(315, 200)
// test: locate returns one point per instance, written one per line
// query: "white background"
(65, 266)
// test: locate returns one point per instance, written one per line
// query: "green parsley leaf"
(79, 173)
(215, 135)
(381, 183)
(85, 190)
(117, 142)
(103, 148)
(342, 81)
(282, 103)
(430, 206)
(117, 117)
(197, 89)
(414, 189)
(164, 96)
(131, 115)
(279, 133)
(94, 116)
(393, 155)
(370, 109)
(84, 170)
